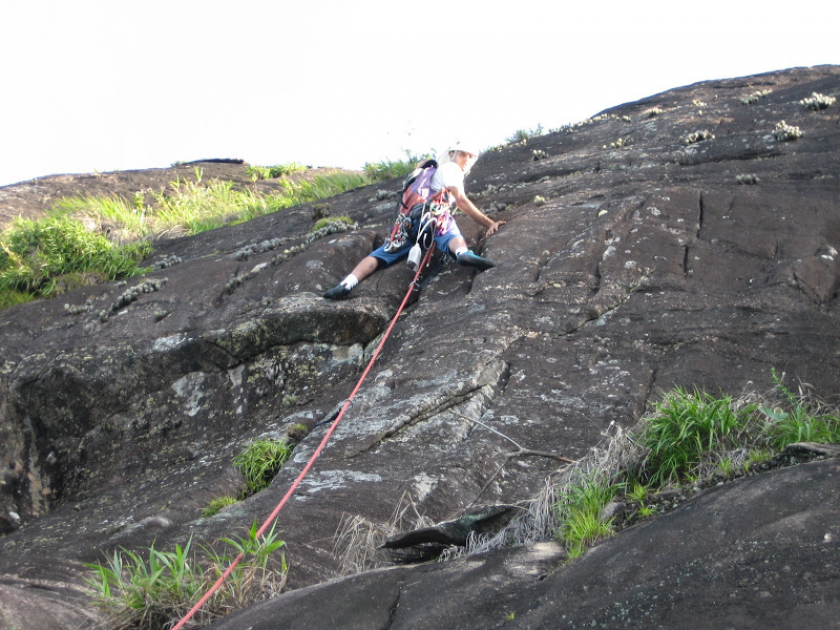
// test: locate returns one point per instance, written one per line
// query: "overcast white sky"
(111, 85)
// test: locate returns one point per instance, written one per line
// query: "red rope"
(317, 452)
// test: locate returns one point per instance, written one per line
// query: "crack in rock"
(467, 399)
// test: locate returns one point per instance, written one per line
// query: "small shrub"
(260, 462)
(522, 135)
(785, 133)
(747, 179)
(753, 98)
(818, 101)
(698, 136)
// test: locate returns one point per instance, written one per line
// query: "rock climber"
(455, 163)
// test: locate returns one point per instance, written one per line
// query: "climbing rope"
(318, 450)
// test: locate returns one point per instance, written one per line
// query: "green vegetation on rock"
(87, 240)
(154, 593)
(216, 505)
(686, 428)
(690, 440)
(582, 524)
(391, 169)
(49, 256)
(522, 135)
(260, 462)
(272, 172)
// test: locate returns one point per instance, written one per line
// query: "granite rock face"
(678, 240)
(759, 553)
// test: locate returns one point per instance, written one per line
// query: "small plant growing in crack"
(260, 462)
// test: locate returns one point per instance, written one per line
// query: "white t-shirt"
(448, 175)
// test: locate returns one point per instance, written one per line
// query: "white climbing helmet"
(447, 155)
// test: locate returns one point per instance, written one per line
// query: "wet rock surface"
(633, 260)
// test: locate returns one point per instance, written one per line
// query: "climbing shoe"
(338, 292)
(469, 259)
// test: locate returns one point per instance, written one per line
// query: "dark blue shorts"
(442, 243)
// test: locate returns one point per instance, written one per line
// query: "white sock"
(350, 281)
(460, 251)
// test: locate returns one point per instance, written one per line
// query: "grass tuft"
(216, 505)
(260, 462)
(580, 513)
(392, 169)
(685, 428)
(358, 540)
(36, 254)
(273, 172)
(797, 419)
(154, 592)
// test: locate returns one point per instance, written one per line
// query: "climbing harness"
(273, 516)
(417, 187)
(414, 201)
